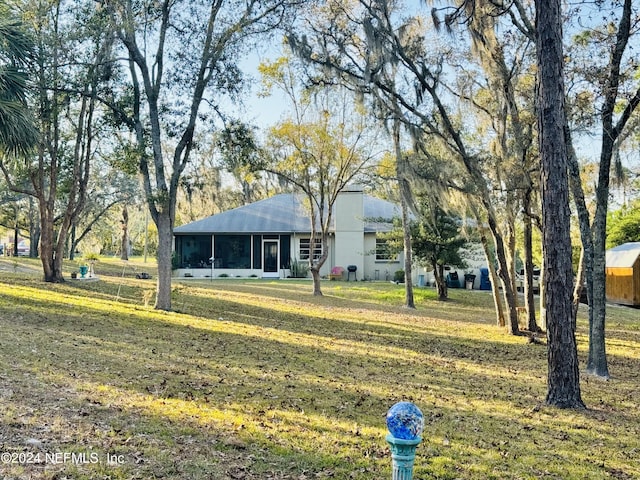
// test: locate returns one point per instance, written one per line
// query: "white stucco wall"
(378, 269)
(349, 230)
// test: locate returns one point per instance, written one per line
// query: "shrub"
(299, 269)
(175, 261)
(398, 276)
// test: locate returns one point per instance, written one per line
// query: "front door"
(270, 264)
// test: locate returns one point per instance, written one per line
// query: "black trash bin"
(468, 280)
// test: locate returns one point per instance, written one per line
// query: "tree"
(381, 41)
(623, 225)
(18, 132)
(436, 241)
(239, 149)
(614, 89)
(181, 57)
(108, 188)
(319, 155)
(506, 104)
(17, 129)
(354, 44)
(16, 212)
(563, 372)
(124, 240)
(69, 69)
(563, 379)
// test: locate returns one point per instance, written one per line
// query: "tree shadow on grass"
(295, 392)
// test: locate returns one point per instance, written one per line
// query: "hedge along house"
(265, 238)
(623, 274)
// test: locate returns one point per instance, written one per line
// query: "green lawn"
(253, 379)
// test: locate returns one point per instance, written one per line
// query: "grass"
(253, 379)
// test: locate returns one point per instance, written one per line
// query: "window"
(383, 252)
(305, 248)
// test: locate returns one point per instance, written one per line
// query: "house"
(623, 274)
(265, 238)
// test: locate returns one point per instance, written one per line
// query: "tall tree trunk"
(493, 276)
(584, 223)
(16, 234)
(597, 359)
(52, 272)
(33, 236)
(577, 290)
(405, 194)
(124, 254)
(543, 298)
(409, 301)
(503, 274)
(165, 244)
(528, 263)
(72, 242)
(441, 283)
(510, 250)
(315, 276)
(563, 379)
(315, 264)
(595, 271)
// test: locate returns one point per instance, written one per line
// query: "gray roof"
(623, 256)
(284, 213)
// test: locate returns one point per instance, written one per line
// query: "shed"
(623, 274)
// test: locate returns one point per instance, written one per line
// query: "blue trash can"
(485, 283)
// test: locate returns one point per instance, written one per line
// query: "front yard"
(253, 379)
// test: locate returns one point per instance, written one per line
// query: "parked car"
(23, 249)
(536, 280)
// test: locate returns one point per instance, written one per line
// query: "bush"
(175, 261)
(299, 269)
(398, 276)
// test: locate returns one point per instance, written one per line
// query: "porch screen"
(232, 251)
(193, 251)
(285, 251)
(257, 252)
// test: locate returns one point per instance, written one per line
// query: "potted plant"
(84, 268)
(89, 262)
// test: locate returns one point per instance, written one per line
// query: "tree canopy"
(17, 129)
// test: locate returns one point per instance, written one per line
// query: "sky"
(262, 111)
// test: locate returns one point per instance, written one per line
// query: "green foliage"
(238, 147)
(440, 242)
(175, 261)
(299, 269)
(126, 158)
(324, 144)
(91, 257)
(17, 129)
(398, 276)
(624, 225)
(436, 238)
